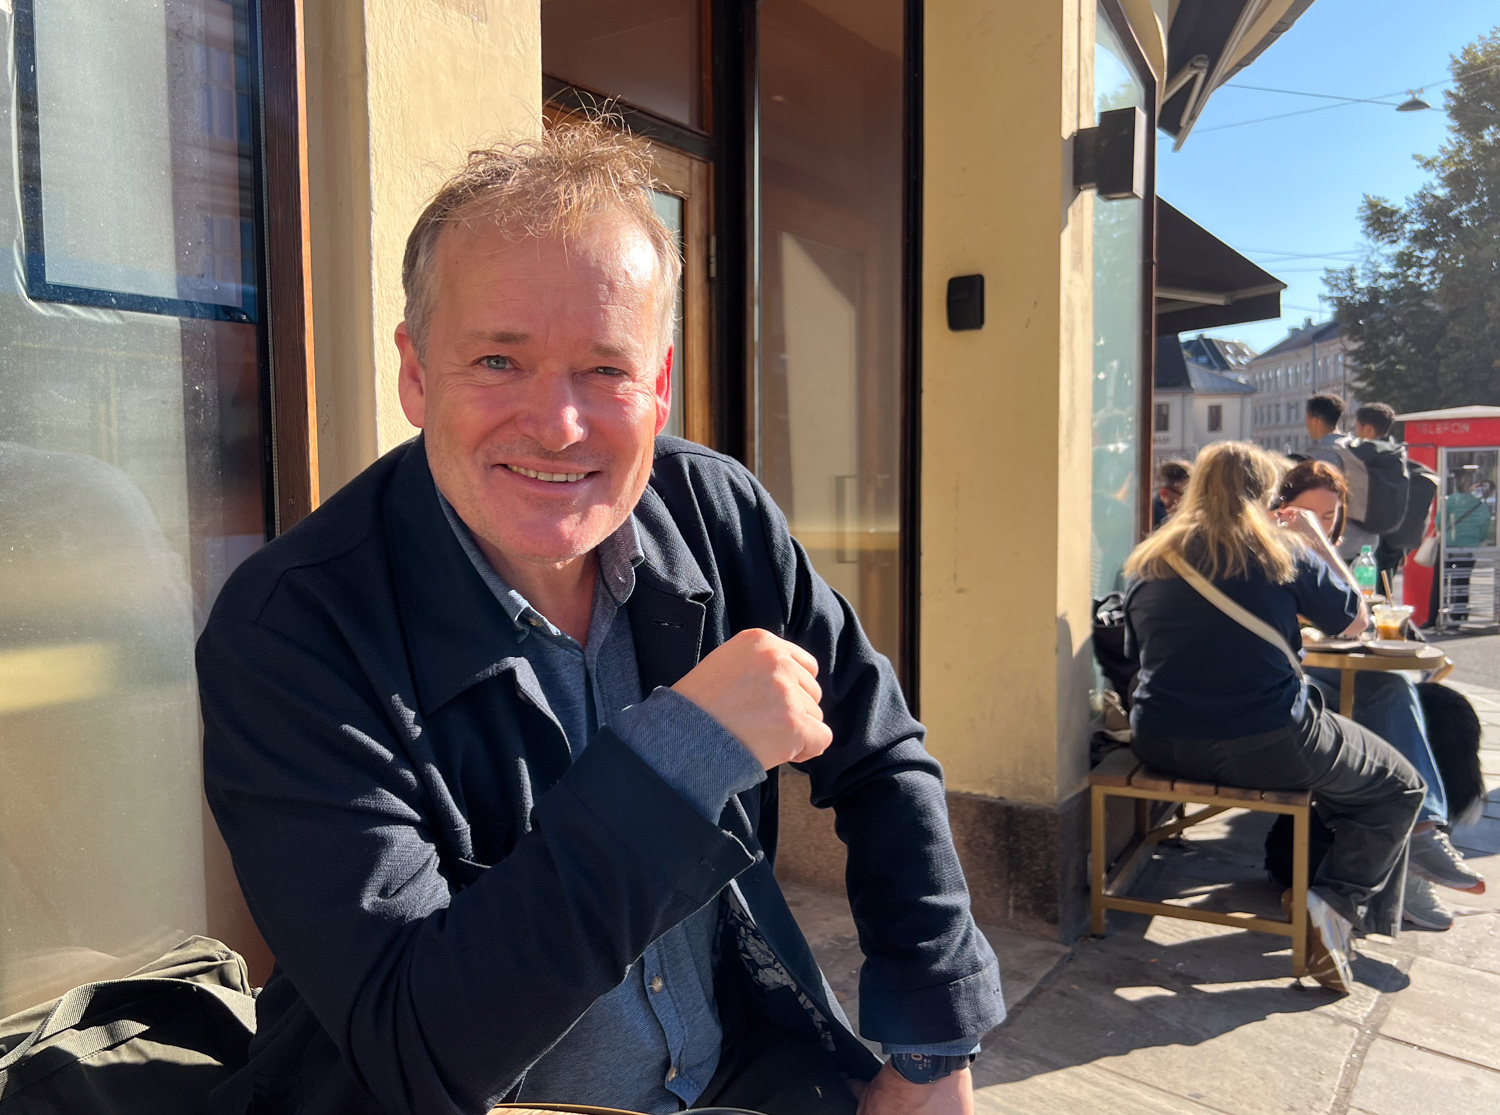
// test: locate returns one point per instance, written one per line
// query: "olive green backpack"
(157, 1041)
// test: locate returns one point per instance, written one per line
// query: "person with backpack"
(1387, 496)
(1373, 422)
(1221, 696)
(1322, 418)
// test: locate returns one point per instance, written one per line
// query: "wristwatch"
(923, 1068)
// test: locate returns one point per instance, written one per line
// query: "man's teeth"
(554, 477)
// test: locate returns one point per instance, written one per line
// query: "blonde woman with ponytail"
(1213, 614)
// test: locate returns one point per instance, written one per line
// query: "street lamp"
(1415, 104)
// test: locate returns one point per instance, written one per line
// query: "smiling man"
(493, 734)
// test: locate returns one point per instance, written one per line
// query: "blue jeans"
(1386, 703)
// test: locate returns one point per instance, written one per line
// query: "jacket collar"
(457, 632)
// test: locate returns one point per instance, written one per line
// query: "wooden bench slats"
(1238, 793)
(1207, 790)
(1114, 769)
(1287, 797)
(1148, 779)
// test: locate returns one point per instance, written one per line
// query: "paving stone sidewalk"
(1172, 1017)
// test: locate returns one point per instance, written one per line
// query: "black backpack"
(1376, 473)
(1421, 490)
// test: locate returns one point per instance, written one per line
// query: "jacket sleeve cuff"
(689, 750)
(922, 1020)
(960, 1048)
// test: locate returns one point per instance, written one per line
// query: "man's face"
(1171, 496)
(542, 387)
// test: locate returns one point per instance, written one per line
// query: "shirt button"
(671, 1074)
(656, 985)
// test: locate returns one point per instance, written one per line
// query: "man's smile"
(550, 477)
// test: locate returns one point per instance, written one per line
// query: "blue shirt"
(1204, 676)
(654, 1040)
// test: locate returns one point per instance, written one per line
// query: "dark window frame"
(1215, 418)
(1115, 12)
(1163, 422)
(29, 172)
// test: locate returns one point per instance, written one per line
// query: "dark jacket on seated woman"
(1203, 675)
(1220, 702)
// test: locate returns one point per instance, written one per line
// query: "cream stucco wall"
(398, 92)
(1006, 426)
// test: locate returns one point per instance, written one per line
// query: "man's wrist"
(927, 1068)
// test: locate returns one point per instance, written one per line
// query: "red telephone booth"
(1462, 445)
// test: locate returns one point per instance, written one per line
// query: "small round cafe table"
(1350, 662)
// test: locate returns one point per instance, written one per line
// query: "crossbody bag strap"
(1242, 616)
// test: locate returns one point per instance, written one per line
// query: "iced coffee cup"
(1390, 619)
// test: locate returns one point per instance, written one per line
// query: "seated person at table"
(493, 734)
(1386, 702)
(1218, 702)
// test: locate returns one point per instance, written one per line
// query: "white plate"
(1396, 648)
(1328, 646)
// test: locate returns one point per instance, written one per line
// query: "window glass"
(1118, 228)
(828, 398)
(92, 181)
(1215, 418)
(131, 449)
(648, 52)
(669, 208)
(1163, 417)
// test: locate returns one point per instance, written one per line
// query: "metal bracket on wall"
(1110, 159)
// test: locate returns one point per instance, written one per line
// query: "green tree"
(1424, 305)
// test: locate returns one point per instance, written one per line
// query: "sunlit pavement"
(1170, 1016)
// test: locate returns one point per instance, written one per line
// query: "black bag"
(154, 1043)
(1118, 667)
(1421, 490)
(1375, 471)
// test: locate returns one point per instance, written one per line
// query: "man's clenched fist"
(764, 691)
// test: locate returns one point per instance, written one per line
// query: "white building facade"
(1313, 360)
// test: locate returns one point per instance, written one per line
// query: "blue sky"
(1292, 187)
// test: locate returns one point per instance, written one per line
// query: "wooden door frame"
(287, 332)
(689, 176)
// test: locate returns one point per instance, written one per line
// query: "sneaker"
(1329, 943)
(1422, 906)
(1435, 859)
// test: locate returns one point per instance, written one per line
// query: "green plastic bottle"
(1364, 571)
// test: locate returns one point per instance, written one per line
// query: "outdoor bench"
(1121, 774)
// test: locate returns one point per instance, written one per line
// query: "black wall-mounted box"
(966, 302)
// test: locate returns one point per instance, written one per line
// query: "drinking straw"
(1390, 596)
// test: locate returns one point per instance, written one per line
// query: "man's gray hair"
(539, 188)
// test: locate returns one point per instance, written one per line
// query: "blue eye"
(606, 370)
(496, 363)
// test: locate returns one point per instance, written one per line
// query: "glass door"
(827, 400)
(1467, 526)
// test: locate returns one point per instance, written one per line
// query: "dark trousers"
(767, 1070)
(1363, 790)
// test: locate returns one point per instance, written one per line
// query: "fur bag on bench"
(1454, 733)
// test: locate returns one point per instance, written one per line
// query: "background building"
(1313, 360)
(1201, 397)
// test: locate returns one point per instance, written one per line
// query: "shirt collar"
(618, 555)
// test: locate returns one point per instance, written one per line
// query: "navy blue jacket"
(446, 890)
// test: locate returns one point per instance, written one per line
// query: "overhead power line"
(1342, 101)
